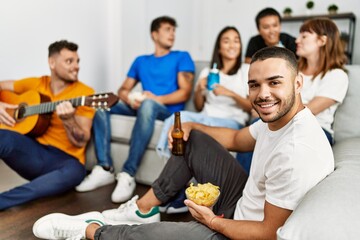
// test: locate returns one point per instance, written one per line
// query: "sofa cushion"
(121, 128)
(331, 209)
(346, 123)
(346, 152)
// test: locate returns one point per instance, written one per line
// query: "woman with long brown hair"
(321, 64)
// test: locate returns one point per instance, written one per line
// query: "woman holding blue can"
(222, 104)
(220, 97)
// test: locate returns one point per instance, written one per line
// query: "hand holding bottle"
(177, 134)
(186, 129)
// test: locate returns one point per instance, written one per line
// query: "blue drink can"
(213, 78)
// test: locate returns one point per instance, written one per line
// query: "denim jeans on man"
(49, 170)
(142, 132)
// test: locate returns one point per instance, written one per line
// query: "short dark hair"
(264, 13)
(277, 52)
(56, 47)
(156, 23)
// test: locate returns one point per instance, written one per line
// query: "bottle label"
(178, 146)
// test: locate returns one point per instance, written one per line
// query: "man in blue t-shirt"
(166, 77)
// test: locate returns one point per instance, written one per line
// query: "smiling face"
(274, 91)
(65, 65)
(269, 29)
(230, 45)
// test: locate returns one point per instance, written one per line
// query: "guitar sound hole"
(21, 112)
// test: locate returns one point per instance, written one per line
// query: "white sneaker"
(62, 226)
(97, 178)
(124, 189)
(129, 213)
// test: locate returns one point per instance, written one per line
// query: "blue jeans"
(49, 170)
(142, 132)
(329, 137)
(245, 158)
(186, 116)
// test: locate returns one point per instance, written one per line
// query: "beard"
(68, 80)
(65, 77)
(288, 104)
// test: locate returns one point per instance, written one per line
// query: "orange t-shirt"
(55, 135)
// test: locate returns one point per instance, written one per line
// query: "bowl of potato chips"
(205, 194)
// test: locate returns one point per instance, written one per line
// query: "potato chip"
(203, 194)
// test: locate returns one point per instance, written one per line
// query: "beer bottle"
(177, 135)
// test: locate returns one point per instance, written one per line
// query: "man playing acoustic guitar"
(54, 161)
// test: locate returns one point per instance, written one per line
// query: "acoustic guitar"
(34, 110)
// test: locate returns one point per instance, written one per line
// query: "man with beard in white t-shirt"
(291, 155)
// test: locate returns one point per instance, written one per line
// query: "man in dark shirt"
(268, 22)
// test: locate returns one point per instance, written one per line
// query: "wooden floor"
(16, 223)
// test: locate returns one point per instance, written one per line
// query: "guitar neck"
(49, 107)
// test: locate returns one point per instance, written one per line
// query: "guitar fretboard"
(50, 106)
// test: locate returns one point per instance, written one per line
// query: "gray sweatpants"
(158, 231)
(205, 160)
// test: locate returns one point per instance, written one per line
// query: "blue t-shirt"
(159, 74)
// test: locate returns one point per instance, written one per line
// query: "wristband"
(212, 219)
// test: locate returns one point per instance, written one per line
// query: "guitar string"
(48, 107)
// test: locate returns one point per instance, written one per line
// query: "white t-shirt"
(334, 86)
(224, 106)
(286, 164)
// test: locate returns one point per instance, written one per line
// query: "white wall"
(111, 33)
(27, 28)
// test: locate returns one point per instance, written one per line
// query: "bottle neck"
(177, 121)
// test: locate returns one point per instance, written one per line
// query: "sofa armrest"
(331, 209)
